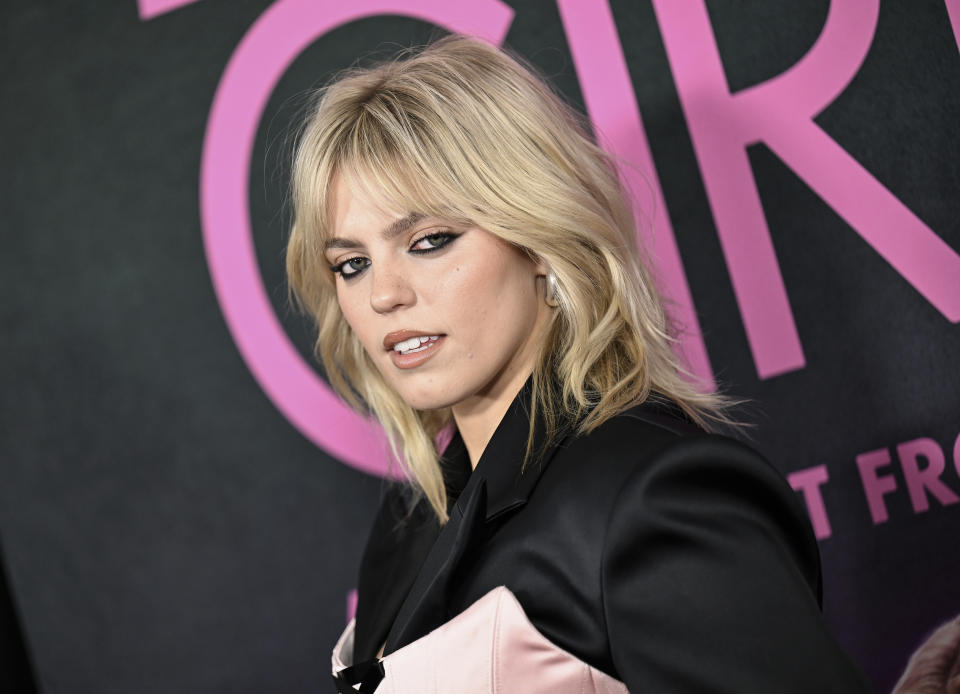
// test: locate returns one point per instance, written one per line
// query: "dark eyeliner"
(448, 236)
(338, 268)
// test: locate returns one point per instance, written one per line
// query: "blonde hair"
(462, 130)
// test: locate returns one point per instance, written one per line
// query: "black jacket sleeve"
(711, 579)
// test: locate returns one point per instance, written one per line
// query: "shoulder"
(649, 439)
(649, 469)
(704, 538)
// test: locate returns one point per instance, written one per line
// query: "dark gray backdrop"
(167, 530)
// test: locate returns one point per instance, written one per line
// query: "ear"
(540, 266)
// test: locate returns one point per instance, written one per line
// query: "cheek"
(489, 296)
(346, 307)
(352, 311)
(468, 292)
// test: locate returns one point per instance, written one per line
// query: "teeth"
(415, 344)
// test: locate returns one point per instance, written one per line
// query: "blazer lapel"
(498, 485)
(400, 540)
(425, 606)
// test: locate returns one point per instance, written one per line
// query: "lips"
(391, 339)
(421, 350)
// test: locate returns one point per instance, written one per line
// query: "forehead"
(354, 207)
(369, 200)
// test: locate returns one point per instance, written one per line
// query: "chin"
(428, 396)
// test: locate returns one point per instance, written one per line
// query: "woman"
(469, 256)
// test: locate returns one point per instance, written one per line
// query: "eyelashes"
(437, 240)
(355, 266)
(350, 267)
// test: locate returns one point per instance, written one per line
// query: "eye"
(351, 267)
(433, 242)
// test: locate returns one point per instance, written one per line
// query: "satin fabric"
(510, 655)
(667, 558)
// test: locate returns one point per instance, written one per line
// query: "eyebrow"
(391, 231)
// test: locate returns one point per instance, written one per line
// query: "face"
(451, 315)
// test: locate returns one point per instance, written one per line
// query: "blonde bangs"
(462, 131)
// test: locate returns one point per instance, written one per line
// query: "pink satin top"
(490, 648)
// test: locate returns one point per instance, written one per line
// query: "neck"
(478, 416)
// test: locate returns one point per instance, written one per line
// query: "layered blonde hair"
(462, 130)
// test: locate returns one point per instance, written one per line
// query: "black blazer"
(671, 559)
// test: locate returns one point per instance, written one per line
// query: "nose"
(390, 291)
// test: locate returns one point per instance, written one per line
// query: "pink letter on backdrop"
(351, 604)
(151, 8)
(928, 479)
(875, 486)
(953, 11)
(278, 36)
(956, 454)
(809, 481)
(780, 112)
(611, 103)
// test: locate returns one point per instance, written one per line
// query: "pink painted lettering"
(278, 36)
(351, 604)
(780, 112)
(149, 9)
(956, 455)
(612, 106)
(953, 12)
(809, 482)
(875, 486)
(921, 482)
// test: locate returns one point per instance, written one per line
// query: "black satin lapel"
(399, 543)
(425, 606)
